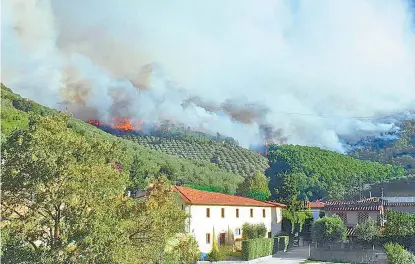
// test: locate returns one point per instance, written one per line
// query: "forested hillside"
(398, 152)
(312, 173)
(143, 163)
(308, 172)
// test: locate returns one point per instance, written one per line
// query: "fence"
(348, 253)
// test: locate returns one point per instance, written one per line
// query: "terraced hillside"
(227, 156)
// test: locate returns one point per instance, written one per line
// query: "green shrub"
(256, 248)
(182, 248)
(252, 231)
(368, 232)
(328, 230)
(219, 253)
(398, 255)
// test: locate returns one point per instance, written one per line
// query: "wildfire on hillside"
(122, 124)
(266, 149)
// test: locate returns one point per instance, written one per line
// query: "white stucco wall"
(200, 225)
(316, 214)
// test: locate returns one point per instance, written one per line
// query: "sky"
(298, 72)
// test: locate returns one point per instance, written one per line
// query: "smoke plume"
(301, 72)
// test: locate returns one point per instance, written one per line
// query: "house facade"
(357, 212)
(221, 216)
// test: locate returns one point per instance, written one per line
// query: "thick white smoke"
(233, 67)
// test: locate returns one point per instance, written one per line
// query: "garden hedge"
(256, 248)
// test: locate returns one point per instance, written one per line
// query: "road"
(282, 261)
(293, 256)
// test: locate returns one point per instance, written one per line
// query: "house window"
(263, 212)
(238, 231)
(362, 217)
(269, 234)
(222, 212)
(208, 212)
(237, 213)
(251, 212)
(207, 238)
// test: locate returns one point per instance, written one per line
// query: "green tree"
(181, 249)
(399, 224)
(398, 255)
(368, 231)
(328, 230)
(294, 217)
(255, 187)
(56, 187)
(289, 190)
(155, 220)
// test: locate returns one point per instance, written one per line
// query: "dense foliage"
(63, 200)
(175, 253)
(368, 232)
(256, 248)
(255, 187)
(252, 231)
(400, 224)
(399, 152)
(227, 156)
(311, 173)
(219, 189)
(294, 219)
(145, 163)
(398, 255)
(400, 228)
(328, 230)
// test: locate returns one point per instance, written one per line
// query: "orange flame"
(122, 124)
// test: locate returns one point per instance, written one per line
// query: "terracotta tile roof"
(193, 196)
(369, 204)
(316, 204)
(276, 204)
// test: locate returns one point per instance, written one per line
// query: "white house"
(223, 212)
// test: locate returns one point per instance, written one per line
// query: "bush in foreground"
(252, 231)
(182, 248)
(256, 248)
(398, 255)
(328, 230)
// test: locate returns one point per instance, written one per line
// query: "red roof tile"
(276, 204)
(198, 197)
(316, 204)
(369, 204)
